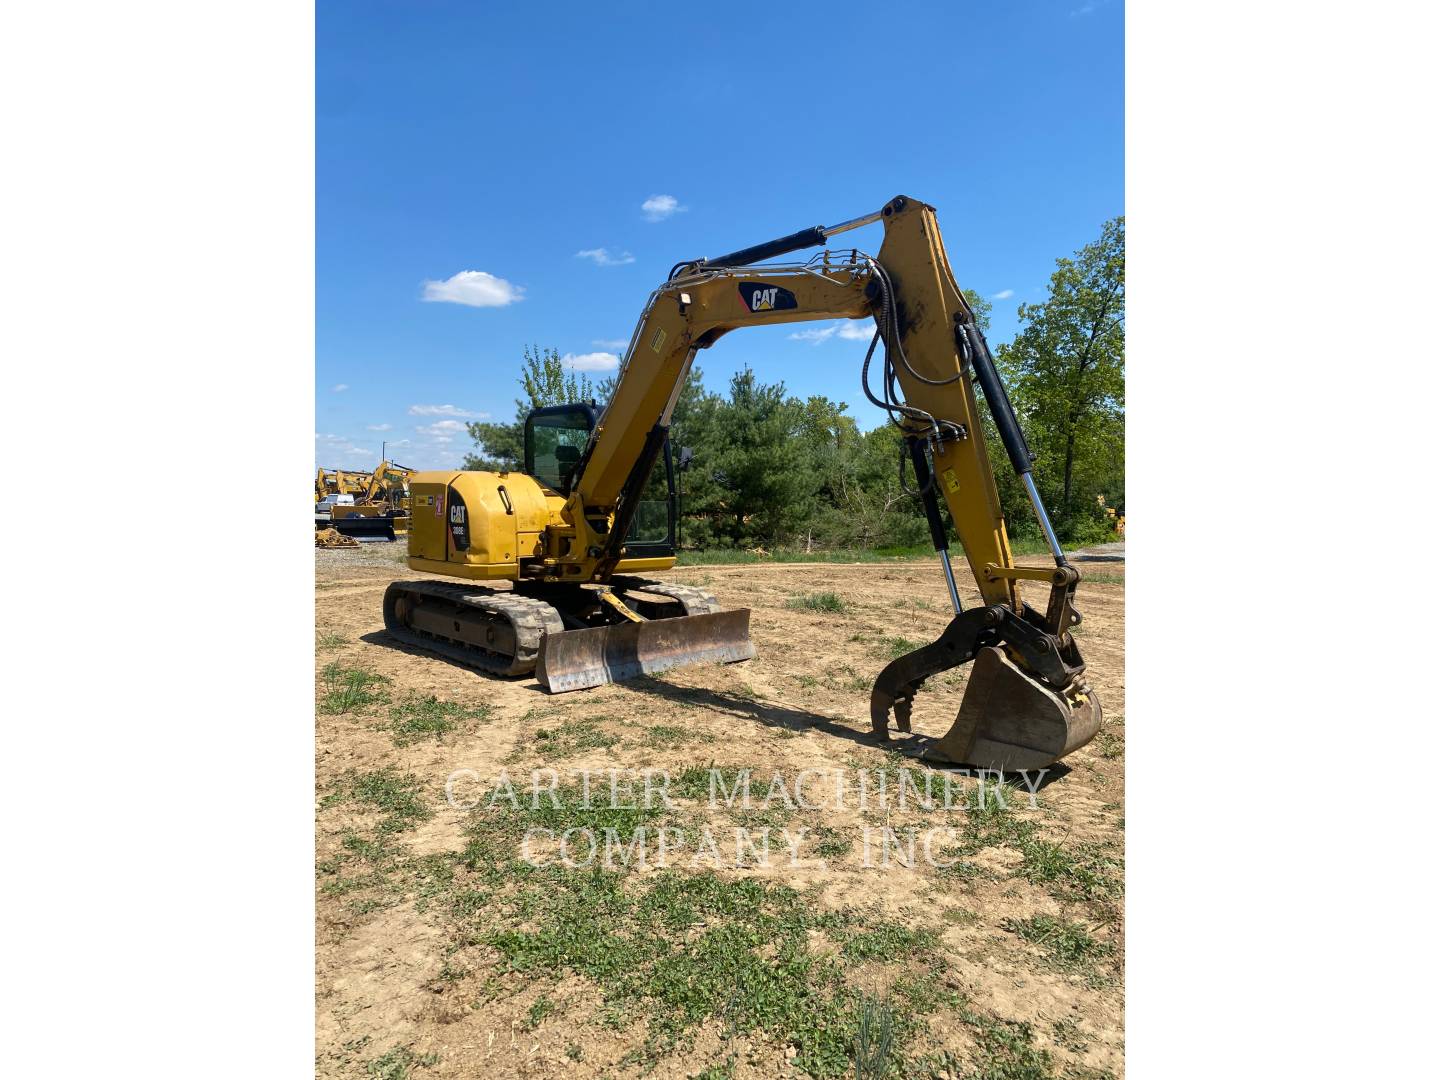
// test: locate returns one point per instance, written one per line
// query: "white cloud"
(660, 207)
(377, 427)
(442, 431)
(446, 410)
(339, 388)
(474, 288)
(856, 329)
(1003, 294)
(815, 335)
(591, 361)
(340, 452)
(602, 257)
(845, 329)
(611, 344)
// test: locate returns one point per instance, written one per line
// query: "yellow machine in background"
(375, 504)
(571, 530)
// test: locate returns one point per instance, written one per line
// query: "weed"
(329, 640)
(396, 796)
(1005, 1049)
(541, 1008)
(1108, 745)
(572, 736)
(694, 782)
(1067, 944)
(830, 843)
(721, 1070)
(418, 718)
(1083, 870)
(664, 736)
(575, 1052)
(1067, 1034)
(889, 942)
(347, 689)
(894, 647)
(874, 1038)
(397, 1063)
(828, 602)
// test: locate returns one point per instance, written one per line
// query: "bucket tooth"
(576, 659)
(1010, 722)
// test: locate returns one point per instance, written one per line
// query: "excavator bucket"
(1009, 721)
(576, 659)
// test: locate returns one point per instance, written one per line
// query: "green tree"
(747, 484)
(980, 306)
(1066, 373)
(546, 381)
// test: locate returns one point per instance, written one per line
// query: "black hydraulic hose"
(927, 495)
(973, 342)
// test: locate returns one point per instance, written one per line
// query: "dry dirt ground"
(441, 952)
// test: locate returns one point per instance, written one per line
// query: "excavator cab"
(555, 440)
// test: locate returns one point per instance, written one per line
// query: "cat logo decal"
(760, 296)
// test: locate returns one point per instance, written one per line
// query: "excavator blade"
(576, 659)
(1009, 721)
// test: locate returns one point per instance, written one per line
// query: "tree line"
(771, 469)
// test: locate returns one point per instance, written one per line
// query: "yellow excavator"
(576, 531)
(379, 505)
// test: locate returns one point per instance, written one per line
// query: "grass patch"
(398, 1062)
(1100, 577)
(890, 942)
(827, 602)
(539, 1010)
(831, 843)
(665, 736)
(678, 949)
(395, 795)
(348, 689)
(1005, 1049)
(694, 782)
(1067, 945)
(572, 736)
(329, 640)
(1085, 871)
(418, 718)
(893, 648)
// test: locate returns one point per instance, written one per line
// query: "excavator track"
(491, 631)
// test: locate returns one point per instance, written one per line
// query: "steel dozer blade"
(576, 659)
(1009, 721)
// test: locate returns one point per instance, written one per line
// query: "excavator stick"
(577, 659)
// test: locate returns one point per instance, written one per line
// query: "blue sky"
(493, 175)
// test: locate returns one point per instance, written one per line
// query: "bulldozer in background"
(572, 536)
